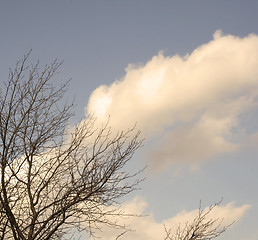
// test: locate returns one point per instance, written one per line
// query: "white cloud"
(194, 102)
(148, 228)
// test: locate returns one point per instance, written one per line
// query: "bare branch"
(55, 177)
(203, 227)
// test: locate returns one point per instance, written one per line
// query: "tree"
(55, 177)
(203, 227)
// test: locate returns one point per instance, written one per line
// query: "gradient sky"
(186, 71)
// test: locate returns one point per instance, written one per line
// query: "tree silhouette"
(55, 177)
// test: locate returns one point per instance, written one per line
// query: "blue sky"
(194, 90)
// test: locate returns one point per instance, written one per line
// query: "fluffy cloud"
(148, 228)
(191, 104)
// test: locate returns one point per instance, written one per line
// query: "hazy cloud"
(191, 104)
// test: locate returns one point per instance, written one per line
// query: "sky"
(185, 71)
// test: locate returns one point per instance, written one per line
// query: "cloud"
(190, 105)
(148, 228)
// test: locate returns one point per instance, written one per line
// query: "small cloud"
(218, 34)
(147, 227)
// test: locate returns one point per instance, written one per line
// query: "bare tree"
(55, 177)
(203, 227)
